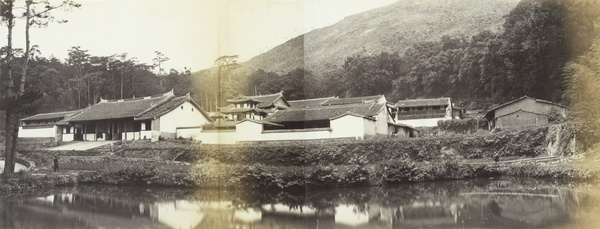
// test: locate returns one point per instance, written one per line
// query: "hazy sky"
(192, 33)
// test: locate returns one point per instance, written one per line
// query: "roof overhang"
(400, 125)
(260, 122)
(353, 114)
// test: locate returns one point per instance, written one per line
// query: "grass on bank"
(292, 165)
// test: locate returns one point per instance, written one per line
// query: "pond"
(480, 203)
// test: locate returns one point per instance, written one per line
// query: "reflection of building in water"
(502, 208)
(80, 211)
(518, 209)
(101, 211)
(426, 213)
(303, 216)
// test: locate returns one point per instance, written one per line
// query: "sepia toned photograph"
(299, 114)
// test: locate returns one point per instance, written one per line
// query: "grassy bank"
(23, 182)
(322, 164)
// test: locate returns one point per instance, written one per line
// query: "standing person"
(55, 162)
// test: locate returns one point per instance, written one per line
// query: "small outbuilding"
(524, 111)
(425, 112)
(46, 125)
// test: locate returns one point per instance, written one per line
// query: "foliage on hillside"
(526, 57)
(82, 80)
(392, 28)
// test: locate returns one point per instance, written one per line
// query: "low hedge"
(531, 142)
(468, 125)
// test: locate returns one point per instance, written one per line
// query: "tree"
(370, 75)
(34, 16)
(158, 61)
(9, 96)
(79, 59)
(583, 84)
(16, 99)
(224, 63)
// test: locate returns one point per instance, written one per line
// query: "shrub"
(459, 125)
(252, 178)
(323, 176)
(355, 176)
(398, 172)
(555, 117)
(293, 180)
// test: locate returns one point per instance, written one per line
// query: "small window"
(192, 109)
(182, 107)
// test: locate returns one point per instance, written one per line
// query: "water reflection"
(458, 204)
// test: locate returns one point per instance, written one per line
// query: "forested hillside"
(82, 79)
(392, 28)
(527, 56)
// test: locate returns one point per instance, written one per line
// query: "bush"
(252, 178)
(399, 172)
(323, 176)
(355, 176)
(459, 125)
(137, 175)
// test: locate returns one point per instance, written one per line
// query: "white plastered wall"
(45, 132)
(428, 122)
(217, 137)
(348, 126)
(188, 116)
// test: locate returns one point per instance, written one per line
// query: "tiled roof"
(260, 122)
(308, 102)
(292, 114)
(242, 99)
(342, 101)
(422, 102)
(524, 97)
(400, 125)
(129, 108)
(263, 101)
(490, 113)
(216, 114)
(168, 106)
(220, 124)
(139, 108)
(53, 115)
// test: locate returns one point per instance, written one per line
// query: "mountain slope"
(392, 28)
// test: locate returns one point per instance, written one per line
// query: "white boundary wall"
(429, 122)
(191, 132)
(41, 132)
(217, 137)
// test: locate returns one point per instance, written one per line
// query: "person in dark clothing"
(55, 162)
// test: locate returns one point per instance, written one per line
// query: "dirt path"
(535, 159)
(81, 146)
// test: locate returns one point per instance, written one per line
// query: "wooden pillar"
(125, 130)
(118, 130)
(96, 131)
